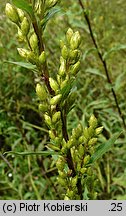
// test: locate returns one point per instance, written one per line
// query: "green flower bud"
(60, 163)
(86, 133)
(71, 142)
(79, 129)
(54, 85)
(47, 120)
(62, 181)
(74, 181)
(34, 42)
(79, 166)
(43, 107)
(92, 141)
(56, 99)
(25, 26)
(64, 83)
(81, 150)
(41, 91)
(20, 14)
(62, 68)
(53, 147)
(93, 121)
(83, 170)
(31, 57)
(75, 40)
(75, 68)
(64, 52)
(81, 139)
(56, 117)
(51, 134)
(69, 34)
(42, 57)
(86, 159)
(62, 174)
(73, 54)
(51, 3)
(23, 52)
(98, 130)
(20, 36)
(12, 13)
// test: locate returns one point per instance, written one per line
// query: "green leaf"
(43, 153)
(95, 72)
(49, 15)
(23, 64)
(114, 49)
(103, 148)
(24, 5)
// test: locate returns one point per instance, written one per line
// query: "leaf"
(23, 64)
(49, 15)
(43, 153)
(23, 4)
(114, 49)
(103, 148)
(95, 72)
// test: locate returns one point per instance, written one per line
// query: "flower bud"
(93, 121)
(62, 68)
(31, 57)
(75, 40)
(54, 85)
(92, 141)
(41, 92)
(56, 99)
(81, 150)
(53, 147)
(25, 26)
(74, 181)
(86, 159)
(64, 52)
(62, 181)
(47, 120)
(34, 42)
(42, 57)
(43, 107)
(56, 117)
(73, 54)
(69, 34)
(12, 13)
(75, 68)
(83, 170)
(60, 163)
(20, 35)
(20, 14)
(51, 134)
(51, 3)
(23, 52)
(98, 130)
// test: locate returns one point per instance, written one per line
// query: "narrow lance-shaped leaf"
(103, 148)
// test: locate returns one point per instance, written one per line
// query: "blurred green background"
(21, 125)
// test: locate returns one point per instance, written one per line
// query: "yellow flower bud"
(54, 85)
(86, 159)
(43, 107)
(56, 117)
(51, 3)
(12, 13)
(20, 35)
(75, 68)
(20, 14)
(69, 34)
(92, 141)
(75, 40)
(56, 99)
(51, 134)
(41, 92)
(64, 52)
(83, 170)
(23, 52)
(73, 54)
(93, 121)
(62, 68)
(42, 57)
(25, 26)
(81, 150)
(34, 42)
(53, 147)
(74, 181)
(47, 120)
(98, 130)
(31, 57)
